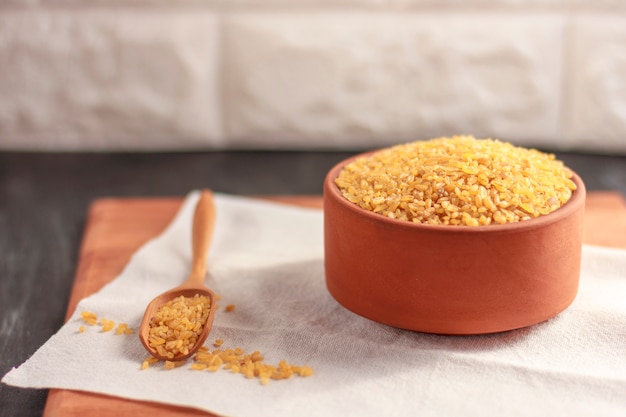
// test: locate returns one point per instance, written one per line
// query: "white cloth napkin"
(267, 259)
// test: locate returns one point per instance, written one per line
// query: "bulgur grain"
(305, 371)
(173, 364)
(250, 365)
(176, 326)
(89, 318)
(457, 181)
(123, 328)
(107, 325)
(149, 361)
(198, 366)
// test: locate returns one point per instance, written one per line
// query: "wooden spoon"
(203, 226)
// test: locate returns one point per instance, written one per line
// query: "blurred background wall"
(158, 75)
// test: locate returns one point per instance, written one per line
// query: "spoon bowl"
(202, 232)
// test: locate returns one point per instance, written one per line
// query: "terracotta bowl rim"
(331, 190)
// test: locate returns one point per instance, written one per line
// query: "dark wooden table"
(44, 199)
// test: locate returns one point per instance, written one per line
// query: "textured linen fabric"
(267, 259)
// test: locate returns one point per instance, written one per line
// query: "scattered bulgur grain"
(249, 365)
(175, 327)
(173, 364)
(149, 361)
(89, 318)
(123, 328)
(218, 342)
(229, 308)
(107, 325)
(305, 371)
(457, 181)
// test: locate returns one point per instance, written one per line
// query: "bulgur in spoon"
(177, 322)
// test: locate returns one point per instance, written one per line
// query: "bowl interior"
(576, 200)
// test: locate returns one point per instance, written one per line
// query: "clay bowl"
(451, 279)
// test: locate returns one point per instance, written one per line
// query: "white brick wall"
(596, 84)
(109, 79)
(312, 79)
(310, 74)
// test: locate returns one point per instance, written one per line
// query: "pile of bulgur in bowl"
(457, 181)
(453, 235)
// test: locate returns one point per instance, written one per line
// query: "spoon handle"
(203, 226)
